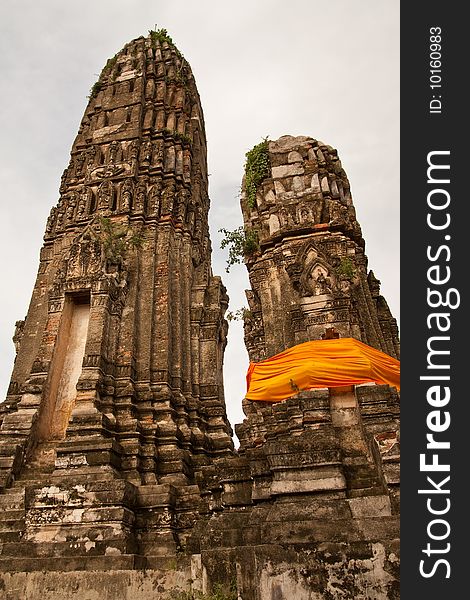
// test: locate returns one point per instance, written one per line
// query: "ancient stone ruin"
(118, 474)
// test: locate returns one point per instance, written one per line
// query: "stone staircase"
(12, 499)
(88, 519)
(12, 516)
(16, 553)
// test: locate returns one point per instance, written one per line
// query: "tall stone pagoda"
(117, 382)
(318, 474)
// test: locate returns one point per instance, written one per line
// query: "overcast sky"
(327, 69)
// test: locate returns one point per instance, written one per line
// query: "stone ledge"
(80, 563)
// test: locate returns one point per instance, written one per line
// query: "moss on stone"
(257, 168)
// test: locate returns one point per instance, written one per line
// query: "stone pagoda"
(117, 386)
(309, 507)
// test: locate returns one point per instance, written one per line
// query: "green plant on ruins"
(178, 137)
(181, 137)
(98, 85)
(345, 268)
(161, 36)
(239, 315)
(95, 88)
(117, 240)
(241, 243)
(109, 66)
(257, 168)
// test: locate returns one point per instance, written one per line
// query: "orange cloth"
(320, 364)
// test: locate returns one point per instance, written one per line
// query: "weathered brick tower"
(118, 477)
(116, 397)
(310, 272)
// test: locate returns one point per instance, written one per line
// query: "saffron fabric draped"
(320, 364)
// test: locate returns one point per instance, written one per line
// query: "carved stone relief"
(127, 190)
(105, 195)
(140, 197)
(86, 257)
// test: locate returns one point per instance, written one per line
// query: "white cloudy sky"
(328, 69)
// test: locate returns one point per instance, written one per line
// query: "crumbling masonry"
(118, 474)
